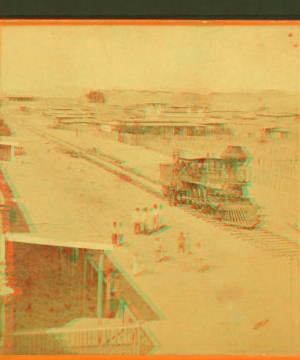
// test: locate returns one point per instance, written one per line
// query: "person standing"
(146, 221)
(120, 233)
(158, 249)
(142, 221)
(137, 221)
(161, 217)
(114, 234)
(156, 218)
(150, 221)
(181, 243)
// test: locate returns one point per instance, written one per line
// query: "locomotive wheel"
(172, 198)
(200, 206)
(202, 199)
(189, 198)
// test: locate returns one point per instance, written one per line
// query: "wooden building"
(10, 149)
(134, 132)
(22, 98)
(273, 133)
(171, 128)
(282, 133)
(70, 121)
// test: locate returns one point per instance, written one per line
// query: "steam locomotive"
(213, 184)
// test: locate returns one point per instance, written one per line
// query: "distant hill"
(270, 100)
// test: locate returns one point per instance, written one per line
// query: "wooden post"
(84, 282)
(12, 155)
(100, 287)
(139, 330)
(107, 288)
(72, 260)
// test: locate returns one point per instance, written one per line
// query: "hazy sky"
(188, 58)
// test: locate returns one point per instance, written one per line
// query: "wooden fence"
(273, 164)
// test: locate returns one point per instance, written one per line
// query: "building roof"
(274, 127)
(11, 140)
(164, 124)
(78, 122)
(196, 156)
(75, 117)
(174, 124)
(224, 111)
(236, 152)
(141, 122)
(283, 130)
(62, 109)
(33, 239)
(277, 115)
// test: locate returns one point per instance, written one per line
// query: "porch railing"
(123, 340)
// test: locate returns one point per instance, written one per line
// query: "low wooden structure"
(135, 132)
(282, 133)
(10, 148)
(22, 98)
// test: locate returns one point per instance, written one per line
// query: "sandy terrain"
(211, 312)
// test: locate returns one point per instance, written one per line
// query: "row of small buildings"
(208, 128)
(132, 130)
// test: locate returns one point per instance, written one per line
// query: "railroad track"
(108, 163)
(267, 240)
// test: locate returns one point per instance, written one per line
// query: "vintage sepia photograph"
(149, 188)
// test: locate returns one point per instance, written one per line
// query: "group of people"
(148, 221)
